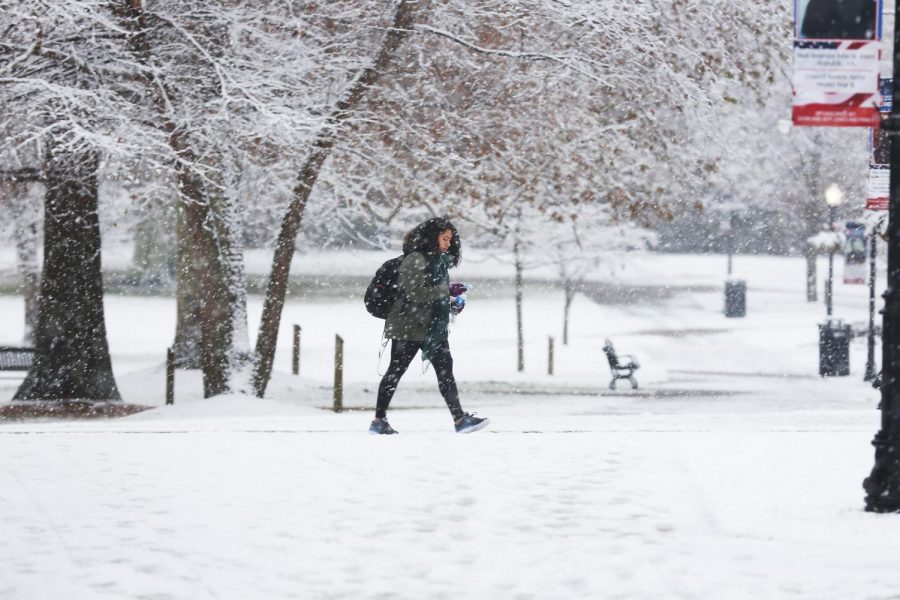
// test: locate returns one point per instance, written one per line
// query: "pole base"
(870, 374)
(883, 485)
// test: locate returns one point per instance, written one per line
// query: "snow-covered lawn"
(733, 472)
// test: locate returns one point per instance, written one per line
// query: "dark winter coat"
(423, 283)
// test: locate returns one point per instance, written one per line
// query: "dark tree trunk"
(233, 284)
(188, 332)
(309, 173)
(567, 306)
(213, 315)
(71, 359)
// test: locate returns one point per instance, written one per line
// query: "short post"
(170, 376)
(338, 373)
(295, 363)
(550, 356)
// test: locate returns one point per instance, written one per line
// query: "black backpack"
(384, 289)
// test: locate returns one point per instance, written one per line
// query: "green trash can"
(834, 348)
(735, 298)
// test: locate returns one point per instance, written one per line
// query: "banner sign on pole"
(886, 75)
(886, 90)
(836, 63)
(878, 186)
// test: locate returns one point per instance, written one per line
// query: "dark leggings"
(402, 353)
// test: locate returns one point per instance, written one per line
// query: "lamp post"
(870, 356)
(833, 197)
(883, 484)
(834, 336)
(730, 240)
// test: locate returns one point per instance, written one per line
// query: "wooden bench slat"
(15, 359)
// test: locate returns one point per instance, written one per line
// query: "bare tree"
(320, 149)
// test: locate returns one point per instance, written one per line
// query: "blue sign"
(886, 89)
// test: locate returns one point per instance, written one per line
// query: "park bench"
(15, 359)
(620, 367)
(861, 329)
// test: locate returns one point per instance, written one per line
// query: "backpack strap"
(380, 352)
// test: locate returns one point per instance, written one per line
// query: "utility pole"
(830, 284)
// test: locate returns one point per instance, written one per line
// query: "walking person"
(419, 318)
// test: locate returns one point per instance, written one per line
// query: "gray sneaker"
(381, 427)
(470, 423)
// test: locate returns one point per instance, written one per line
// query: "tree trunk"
(213, 314)
(569, 291)
(71, 359)
(233, 281)
(218, 271)
(811, 212)
(811, 291)
(520, 329)
(321, 148)
(188, 333)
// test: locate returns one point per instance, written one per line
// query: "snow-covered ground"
(733, 472)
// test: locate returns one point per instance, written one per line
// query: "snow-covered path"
(305, 506)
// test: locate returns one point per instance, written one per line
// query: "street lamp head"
(833, 195)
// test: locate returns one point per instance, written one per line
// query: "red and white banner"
(836, 83)
(878, 188)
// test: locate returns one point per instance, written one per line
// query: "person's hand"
(457, 305)
(458, 289)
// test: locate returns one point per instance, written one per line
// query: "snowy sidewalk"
(308, 506)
